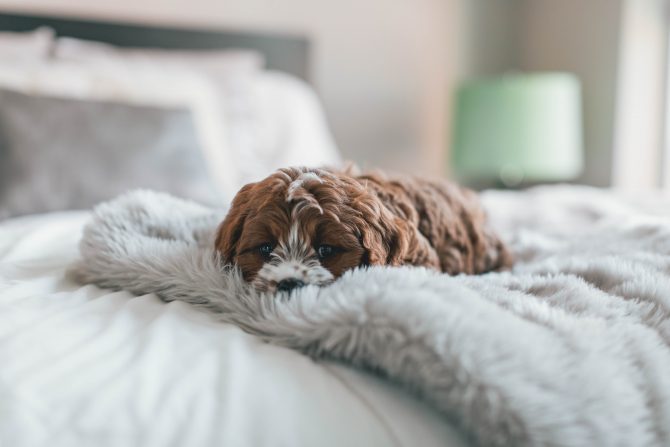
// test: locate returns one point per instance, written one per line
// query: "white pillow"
(273, 119)
(31, 45)
(279, 121)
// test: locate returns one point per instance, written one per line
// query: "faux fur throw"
(568, 349)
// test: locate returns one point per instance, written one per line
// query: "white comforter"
(85, 366)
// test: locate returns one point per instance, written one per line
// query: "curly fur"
(368, 219)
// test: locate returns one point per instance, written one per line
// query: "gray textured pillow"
(61, 154)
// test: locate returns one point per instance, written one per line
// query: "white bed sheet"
(85, 366)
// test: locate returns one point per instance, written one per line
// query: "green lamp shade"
(521, 127)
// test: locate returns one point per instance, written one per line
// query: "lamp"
(518, 128)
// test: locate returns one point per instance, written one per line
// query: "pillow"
(249, 123)
(272, 119)
(279, 121)
(151, 87)
(29, 45)
(61, 153)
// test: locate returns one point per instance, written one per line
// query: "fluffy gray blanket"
(568, 349)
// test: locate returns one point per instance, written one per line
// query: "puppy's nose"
(286, 285)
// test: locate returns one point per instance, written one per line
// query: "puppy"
(304, 226)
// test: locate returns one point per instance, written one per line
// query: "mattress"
(86, 366)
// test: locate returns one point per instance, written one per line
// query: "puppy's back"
(448, 217)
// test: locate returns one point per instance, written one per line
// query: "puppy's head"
(307, 226)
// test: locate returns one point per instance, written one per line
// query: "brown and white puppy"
(308, 226)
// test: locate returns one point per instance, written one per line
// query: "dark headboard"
(282, 52)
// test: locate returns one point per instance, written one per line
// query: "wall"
(489, 37)
(581, 37)
(383, 68)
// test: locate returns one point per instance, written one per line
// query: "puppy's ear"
(390, 240)
(383, 236)
(230, 230)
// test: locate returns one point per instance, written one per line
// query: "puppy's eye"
(265, 250)
(324, 251)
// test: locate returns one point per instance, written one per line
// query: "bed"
(86, 366)
(106, 338)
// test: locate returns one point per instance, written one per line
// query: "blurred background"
(493, 92)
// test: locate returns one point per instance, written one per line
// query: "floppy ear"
(393, 242)
(230, 230)
(383, 235)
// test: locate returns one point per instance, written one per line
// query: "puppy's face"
(306, 226)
